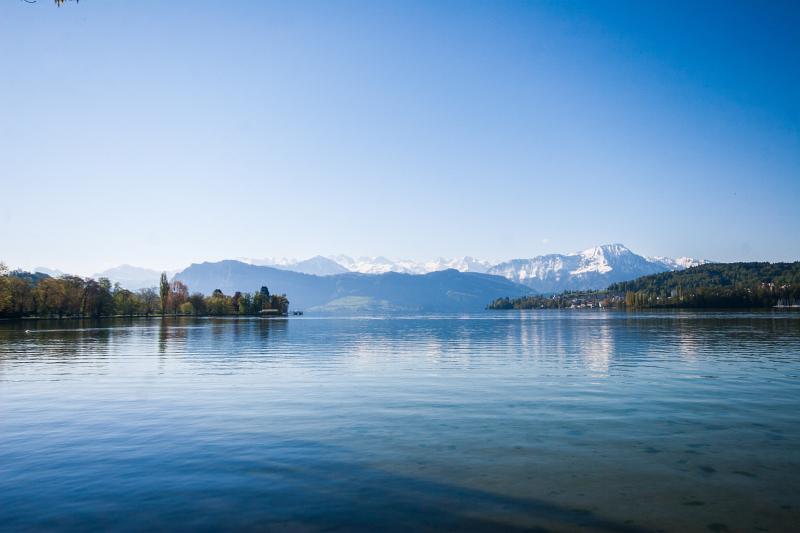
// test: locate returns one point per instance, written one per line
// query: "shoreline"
(160, 317)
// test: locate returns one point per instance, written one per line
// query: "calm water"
(559, 421)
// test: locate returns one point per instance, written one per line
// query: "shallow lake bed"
(563, 421)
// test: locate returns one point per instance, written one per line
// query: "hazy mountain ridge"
(52, 272)
(131, 277)
(128, 276)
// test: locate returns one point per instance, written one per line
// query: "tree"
(279, 302)
(97, 300)
(163, 291)
(218, 303)
(245, 304)
(21, 296)
(125, 302)
(237, 296)
(72, 304)
(49, 297)
(148, 301)
(198, 302)
(26, 294)
(178, 295)
(5, 294)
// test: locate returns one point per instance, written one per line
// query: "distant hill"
(317, 265)
(443, 291)
(131, 277)
(52, 272)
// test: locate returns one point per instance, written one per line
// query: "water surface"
(591, 421)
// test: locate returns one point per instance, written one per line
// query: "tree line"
(25, 294)
(717, 285)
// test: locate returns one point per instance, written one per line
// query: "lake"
(574, 420)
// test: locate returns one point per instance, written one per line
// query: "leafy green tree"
(246, 304)
(280, 303)
(218, 304)
(125, 302)
(163, 292)
(198, 302)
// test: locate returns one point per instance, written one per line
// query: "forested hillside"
(714, 276)
(714, 285)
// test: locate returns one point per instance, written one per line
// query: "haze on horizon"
(164, 133)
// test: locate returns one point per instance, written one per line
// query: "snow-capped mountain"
(317, 265)
(268, 261)
(463, 264)
(593, 268)
(378, 265)
(382, 265)
(678, 263)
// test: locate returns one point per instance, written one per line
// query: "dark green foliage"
(163, 292)
(564, 300)
(716, 275)
(716, 285)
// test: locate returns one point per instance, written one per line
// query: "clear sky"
(158, 133)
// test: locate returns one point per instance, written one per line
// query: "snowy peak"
(601, 258)
(463, 264)
(375, 265)
(592, 268)
(317, 265)
(679, 263)
(382, 265)
(605, 250)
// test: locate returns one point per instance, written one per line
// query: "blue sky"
(161, 133)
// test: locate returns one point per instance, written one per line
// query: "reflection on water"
(563, 421)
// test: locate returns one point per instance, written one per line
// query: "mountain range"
(441, 291)
(593, 268)
(374, 283)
